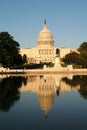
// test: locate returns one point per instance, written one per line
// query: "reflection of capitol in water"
(46, 87)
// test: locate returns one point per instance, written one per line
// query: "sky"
(66, 19)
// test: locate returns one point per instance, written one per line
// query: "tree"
(83, 47)
(77, 58)
(9, 50)
(72, 58)
(83, 53)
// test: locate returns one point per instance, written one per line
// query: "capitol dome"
(45, 37)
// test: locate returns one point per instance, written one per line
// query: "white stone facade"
(45, 50)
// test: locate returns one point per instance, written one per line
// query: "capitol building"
(45, 50)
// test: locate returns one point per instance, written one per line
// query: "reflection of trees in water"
(9, 91)
(71, 82)
(83, 87)
(78, 80)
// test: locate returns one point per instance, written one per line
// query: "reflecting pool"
(43, 102)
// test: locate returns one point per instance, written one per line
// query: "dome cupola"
(45, 38)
